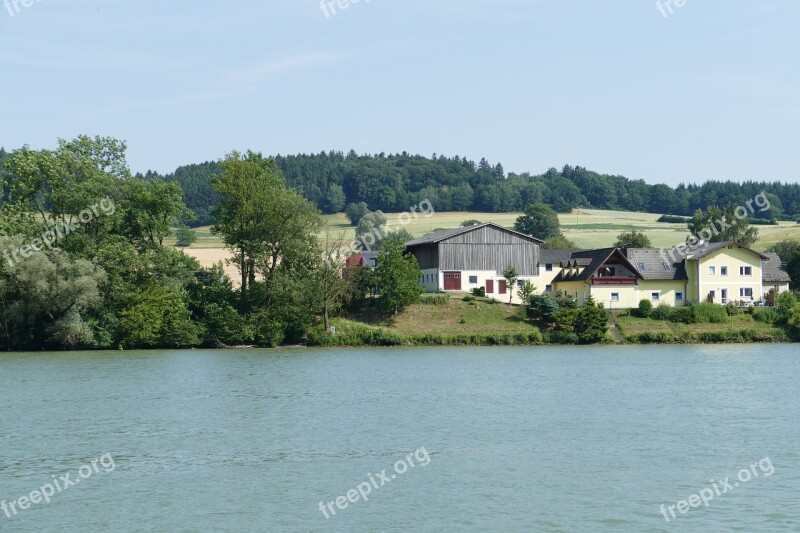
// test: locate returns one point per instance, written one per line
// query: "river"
(425, 439)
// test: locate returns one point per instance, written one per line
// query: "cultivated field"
(586, 227)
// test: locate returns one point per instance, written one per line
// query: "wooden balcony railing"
(614, 280)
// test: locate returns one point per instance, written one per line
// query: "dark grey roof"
(654, 263)
(773, 269)
(439, 236)
(555, 256)
(594, 260)
(713, 247)
(370, 258)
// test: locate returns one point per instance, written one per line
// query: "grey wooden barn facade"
(483, 247)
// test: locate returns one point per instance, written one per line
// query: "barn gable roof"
(442, 235)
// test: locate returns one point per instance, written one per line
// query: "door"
(724, 296)
(502, 286)
(452, 281)
(489, 286)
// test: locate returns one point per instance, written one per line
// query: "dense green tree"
(397, 277)
(559, 243)
(48, 299)
(399, 236)
(355, 211)
(540, 221)
(591, 323)
(633, 239)
(185, 236)
(717, 225)
(785, 249)
(372, 230)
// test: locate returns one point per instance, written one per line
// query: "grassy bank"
(441, 321)
(451, 321)
(736, 329)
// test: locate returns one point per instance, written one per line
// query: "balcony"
(614, 280)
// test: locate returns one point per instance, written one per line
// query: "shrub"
(732, 310)
(435, 299)
(645, 308)
(672, 219)
(711, 313)
(683, 315)
(662, 312)
(766, 315)
(469, 298)
(480, 292)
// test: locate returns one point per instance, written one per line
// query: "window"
(667, 267)
(678, 296)
(457, 275)
(712, 271)
(614, 296)
(723, 271)
(746, 292)
(655, 296)
(746, 271)
(521, 283)
(549, 288)
(723, 294)
(548, 267)
(473, 279)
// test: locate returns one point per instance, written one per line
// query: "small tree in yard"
(511, 275)
(526, 292)
(397, 277)
(591, 324)
(645, 308)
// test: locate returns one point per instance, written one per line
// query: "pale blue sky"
(711, 91)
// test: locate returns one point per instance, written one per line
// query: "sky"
(707, 90)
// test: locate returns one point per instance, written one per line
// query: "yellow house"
(721, 273)
(724, 273)
(621, 278)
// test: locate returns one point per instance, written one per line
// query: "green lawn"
(479, 318)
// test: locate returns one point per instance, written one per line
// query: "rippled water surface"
(507, 439)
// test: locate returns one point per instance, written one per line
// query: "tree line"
(83, 262)
(332, 181)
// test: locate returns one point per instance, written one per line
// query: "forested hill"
(393, 183)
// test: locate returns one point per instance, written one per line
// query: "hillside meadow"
(588, 228)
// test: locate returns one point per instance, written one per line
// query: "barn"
(463, 259)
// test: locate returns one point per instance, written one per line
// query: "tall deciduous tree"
(718, 225)
(397, 277)
(259, 218)
(540, 221)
